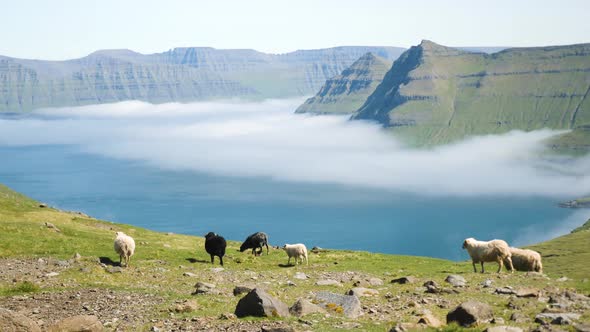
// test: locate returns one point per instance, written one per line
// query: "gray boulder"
(11, 321)
(259, 304)
(404, 280)
(503, 329)
(361, 291)
(470, 313)
(557, 318)
(303, 307)
(349, 305)
(204, 288)
(81, 323)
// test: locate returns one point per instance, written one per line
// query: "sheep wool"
(125, 247)
(299, 251)
(526, 260)
(488, 251)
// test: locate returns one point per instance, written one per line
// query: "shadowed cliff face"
(345, 93)
(181, 74)
(435, 94)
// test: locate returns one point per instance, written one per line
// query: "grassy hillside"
(155, 281)
(435, 94)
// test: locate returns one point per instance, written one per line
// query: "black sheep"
(254, 241)
(215, 246)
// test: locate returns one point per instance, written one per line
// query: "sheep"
(254, 241)
(299, 251)
(125, 247)
(215, 246)
(488, 251)
(526, 260)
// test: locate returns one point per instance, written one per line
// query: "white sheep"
(299, 251)
(488, 251)
(526, 260)
(125, 247)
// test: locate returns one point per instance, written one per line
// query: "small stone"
(375, 282)
(503, 329)
(487, 283)
(78, 323)
(300, 276)
(304, 307)
(527, 292)
(42, 205)
(77, 257)
(518, 317)
(290, 283)
(361, 291)
(562, 279)
(189, 274)
(328, 282)
(228, 316)
(217, 269)
(498, 320)
(456, 280)
(404, 280)
(114, 269)
(238, 290)
(557, 318)
(505, 291)
(187, 306)
(430, 320)
(52, 274)
(204, 288)
(582, 327)
(166, 245)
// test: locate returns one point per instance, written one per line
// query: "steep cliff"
(435, 94)
(345, 93)
(181, 74)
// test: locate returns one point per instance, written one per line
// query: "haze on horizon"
(66, 29)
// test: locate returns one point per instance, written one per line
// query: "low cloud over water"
(265, 139)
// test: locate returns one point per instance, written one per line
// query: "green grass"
(161, 259)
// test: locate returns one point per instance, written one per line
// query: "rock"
(42, 205)
(259, 304)
(430, 283)
(328, 282)
(52, 226)
(11, 321)
(290, 283)
(498, 320)
(487, 283)
(527, 292)
(300, 276)
(204, 288)
(557, 318)
(404, 280)
(187, 306)
(79, 323)
(77, 257)
(51, 274)
(114, 269)
(503, 329)
(562, 279)
(217, 269)
(576, 297)
(505, 291)
(304, 307)
(518, 317)
(375, 282)
(361, 291)
(349, 305)
(62, 263)
(166, 245)
(470, 313)
(430, 320)
(277, 329)
(407, 327)
(189, 274)
(456, 280)
(227, 316)
(239, 290)
(582, 327)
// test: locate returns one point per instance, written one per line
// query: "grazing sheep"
(215, 246)
(526, 260)
(254, 241)
(299, 251)
(125, 247)
(488, 251)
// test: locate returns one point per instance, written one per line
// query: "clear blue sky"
(63, 29)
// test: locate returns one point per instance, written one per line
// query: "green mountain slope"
(345, 93)
(435, 94)
(181, 74)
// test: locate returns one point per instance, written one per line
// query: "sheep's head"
(210, 235)
(468, 242)
(284, 247)
(117, 234)
(244, 246)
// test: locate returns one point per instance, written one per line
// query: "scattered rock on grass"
(204, 288)
(85, 323)
(470, 313)
(456, 280)
(328, 282)
(259, 304)
(12, 321)
(404, 280)
(349, 305)
(503, 329)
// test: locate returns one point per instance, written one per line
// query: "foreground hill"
(345, 93)
(435, 94)
(181, 74)
(42, 278)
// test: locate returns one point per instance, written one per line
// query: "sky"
(266, 139)
(66, 29)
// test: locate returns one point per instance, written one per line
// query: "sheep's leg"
(482, 270)
(212, 259)
(474, 268)
(266, 248)
(289, 261)
(510, 266)
(500, 264)
(221, 260)
(120, 260)
(306, 260)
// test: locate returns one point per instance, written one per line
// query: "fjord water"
(329, 216)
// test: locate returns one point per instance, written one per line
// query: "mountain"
(435, 94)
(345, 93)
(180, 74)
